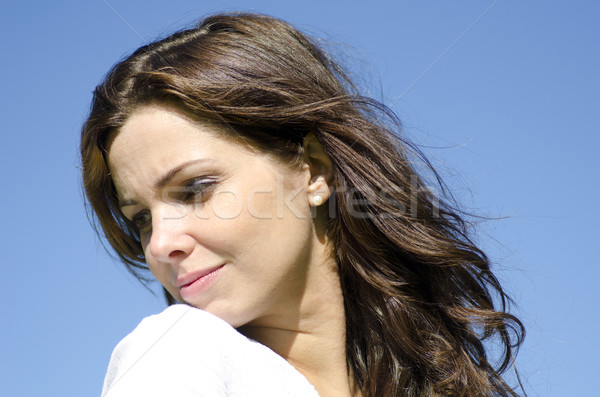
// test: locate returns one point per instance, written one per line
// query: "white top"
(185, 352)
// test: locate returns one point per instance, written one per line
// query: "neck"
(311, 338)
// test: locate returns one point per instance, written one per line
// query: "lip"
(196, 283)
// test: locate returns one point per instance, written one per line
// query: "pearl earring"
(316, 200)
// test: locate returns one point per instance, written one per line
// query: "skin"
(226, 204)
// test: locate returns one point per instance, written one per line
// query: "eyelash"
(141, 220)
(194, 190)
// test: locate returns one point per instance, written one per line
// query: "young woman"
(237, 162)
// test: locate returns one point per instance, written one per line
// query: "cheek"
(161, 275)
(155, 269)
(145, 241)
(285, 197)
(225, 205)
(159, 272)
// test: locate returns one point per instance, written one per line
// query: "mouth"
(195, 284)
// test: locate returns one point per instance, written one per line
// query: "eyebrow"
(163, 180)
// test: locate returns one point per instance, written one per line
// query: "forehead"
(156, 138)
(156, 122)
(166, 122)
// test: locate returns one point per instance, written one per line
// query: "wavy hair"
(420, 299)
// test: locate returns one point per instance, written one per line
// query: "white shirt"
(185, 352)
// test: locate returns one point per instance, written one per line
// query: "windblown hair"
(420, 299)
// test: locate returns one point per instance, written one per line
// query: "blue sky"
(503, 96)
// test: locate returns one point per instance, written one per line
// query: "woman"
(238, 163)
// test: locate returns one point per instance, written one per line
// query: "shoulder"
(162, 354)
(182, 324)
(185, 351)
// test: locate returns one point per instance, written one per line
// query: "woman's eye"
(142, 220)
(196, 189)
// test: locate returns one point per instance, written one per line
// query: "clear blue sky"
(509, 113)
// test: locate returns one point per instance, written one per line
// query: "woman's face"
(223, 228)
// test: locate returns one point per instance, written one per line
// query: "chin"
(232, 317)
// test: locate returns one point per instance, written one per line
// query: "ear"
(321, 172)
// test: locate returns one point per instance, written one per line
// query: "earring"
(316, 200)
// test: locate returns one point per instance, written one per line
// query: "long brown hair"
(420, 298)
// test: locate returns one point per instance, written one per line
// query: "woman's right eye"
(142, 219)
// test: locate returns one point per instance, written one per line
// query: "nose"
(170, 239)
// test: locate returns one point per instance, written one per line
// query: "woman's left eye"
(196, 189)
